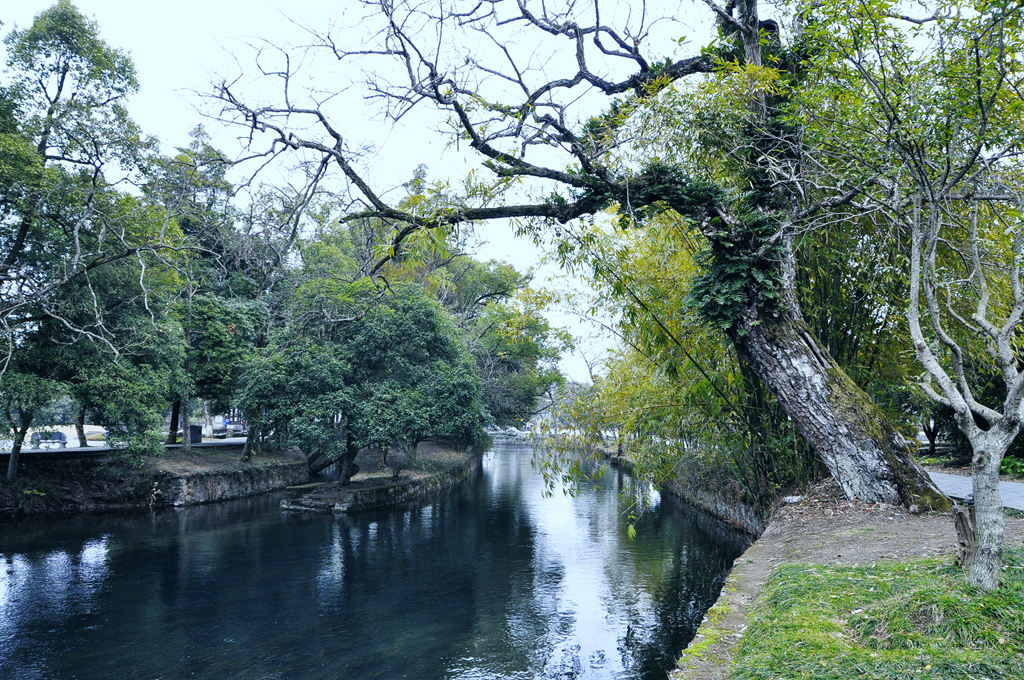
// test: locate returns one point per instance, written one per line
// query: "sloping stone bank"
(823, 528)
(717, 503)
(737, 513)
(86, 483)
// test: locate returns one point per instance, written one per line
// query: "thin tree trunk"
(853, 438)
(80, 428)
(172, 435)
(186, 439)
(247, 450)
(931, 432)
(207, 419)
(19, 438)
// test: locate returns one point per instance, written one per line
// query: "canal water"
(491, 580)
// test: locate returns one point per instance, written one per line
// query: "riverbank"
(435, 468)
(51, 483)
(722, 501)
(823, 529)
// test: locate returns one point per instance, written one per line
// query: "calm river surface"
(491, 580)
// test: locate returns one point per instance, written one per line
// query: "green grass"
(895, 620)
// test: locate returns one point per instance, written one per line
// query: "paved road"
(97, 452)
(959, 487)
(97, 447)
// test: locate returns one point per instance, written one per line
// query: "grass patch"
(894, 620)
(932, 460)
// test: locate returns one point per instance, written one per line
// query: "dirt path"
(824, 528)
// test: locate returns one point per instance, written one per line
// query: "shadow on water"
(489, 580)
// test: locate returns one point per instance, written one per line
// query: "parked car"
(220, 428)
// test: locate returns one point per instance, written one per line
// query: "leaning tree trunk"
(853, 438)
(346, 463)
(851, 435)
(19, 439)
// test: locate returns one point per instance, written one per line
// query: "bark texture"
(867, 457)
(963, 522)
(989, 524)
(249, 447)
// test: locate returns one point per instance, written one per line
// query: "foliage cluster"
(807, 127)
(675, 398)
(185, 295)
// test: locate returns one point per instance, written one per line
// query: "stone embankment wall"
(86, 483)
(721, 504)
(220, 485)
(741, 515)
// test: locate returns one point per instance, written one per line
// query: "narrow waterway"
(492, 580)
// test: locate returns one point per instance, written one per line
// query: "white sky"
(181, 47)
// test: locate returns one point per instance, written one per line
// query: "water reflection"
(492, 580)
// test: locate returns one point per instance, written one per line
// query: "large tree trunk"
(853, 438)
(347, 467)
(866, 456)
(19, 438)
